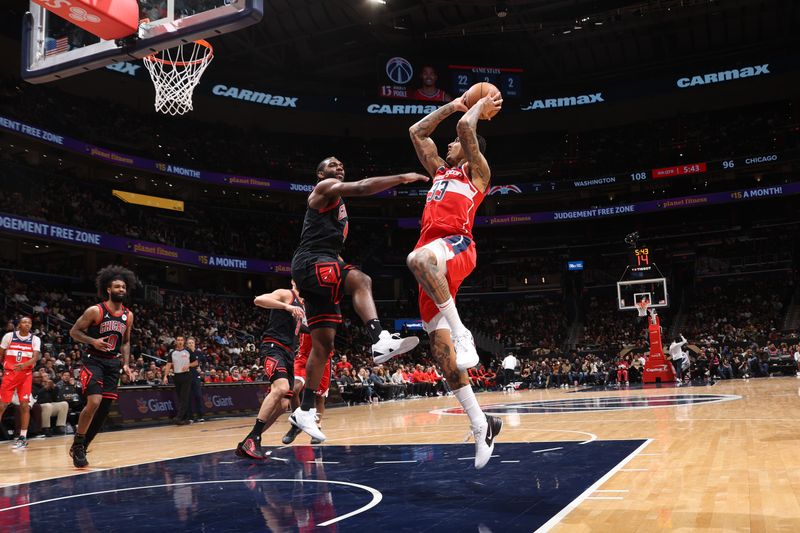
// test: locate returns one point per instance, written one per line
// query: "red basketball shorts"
(459, 255)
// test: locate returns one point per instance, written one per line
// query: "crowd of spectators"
(734, 330)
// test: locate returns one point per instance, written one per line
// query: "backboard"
(630, 292)
(54, 48)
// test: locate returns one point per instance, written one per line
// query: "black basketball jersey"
(282, 325)
(324, 231)
(111, 327)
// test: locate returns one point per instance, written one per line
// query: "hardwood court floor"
(731, 465)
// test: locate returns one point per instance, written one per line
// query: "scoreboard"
(508, 80)
(641, 259)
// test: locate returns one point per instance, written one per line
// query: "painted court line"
(604, 497)
(377, 496)
(509, 461)
(393, 462)
(548, 450)
(611, 490)
(547, 526)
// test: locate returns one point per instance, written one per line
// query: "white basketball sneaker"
(484, 440)
(391, 345)
(307, 421)
(466, 354)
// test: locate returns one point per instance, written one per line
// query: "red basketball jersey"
(19, 350)
(450, 205)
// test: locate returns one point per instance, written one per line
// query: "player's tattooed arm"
(421, 135)
(468, 136)
(78, 330)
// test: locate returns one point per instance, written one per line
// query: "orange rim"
(201, 42)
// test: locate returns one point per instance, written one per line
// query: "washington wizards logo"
(141, 405)
(504, 190)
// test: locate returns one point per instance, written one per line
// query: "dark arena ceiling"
(336, 44)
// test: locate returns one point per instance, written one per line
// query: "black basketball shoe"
(251, 448)
(292, 434)
(78, 454)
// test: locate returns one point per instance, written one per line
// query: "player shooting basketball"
(445, 253)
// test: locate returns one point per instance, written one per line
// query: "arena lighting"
(383, 2)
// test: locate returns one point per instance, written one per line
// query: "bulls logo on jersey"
(327, 274)
(342, 212)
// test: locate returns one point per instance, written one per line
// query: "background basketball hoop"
(176, 72)
(642, 306)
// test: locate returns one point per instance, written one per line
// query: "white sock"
(23, 433)
(470, 404)
(448, 309)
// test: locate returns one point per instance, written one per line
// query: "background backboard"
(629, 293)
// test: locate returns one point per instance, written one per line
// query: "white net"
(642, 307)
(175, 73)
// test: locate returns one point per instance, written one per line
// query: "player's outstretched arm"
(331, 189)
(421, 135)
(467, 134)
(278, 299)
(78, 330)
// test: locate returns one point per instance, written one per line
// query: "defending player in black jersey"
(106, 328)
(278, 345)
(323, 278)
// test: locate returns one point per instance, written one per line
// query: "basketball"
(478, 91)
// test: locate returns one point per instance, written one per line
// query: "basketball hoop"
(642, 306)
(176, 72)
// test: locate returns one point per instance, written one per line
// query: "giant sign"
(148, 403)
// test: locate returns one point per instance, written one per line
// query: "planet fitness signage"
(235, 180)
(651, 206)
(150, 165)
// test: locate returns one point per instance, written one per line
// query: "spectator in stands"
(50, 404)
(622, 371)
(421, 379)
(344, 365)
(402, 384)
